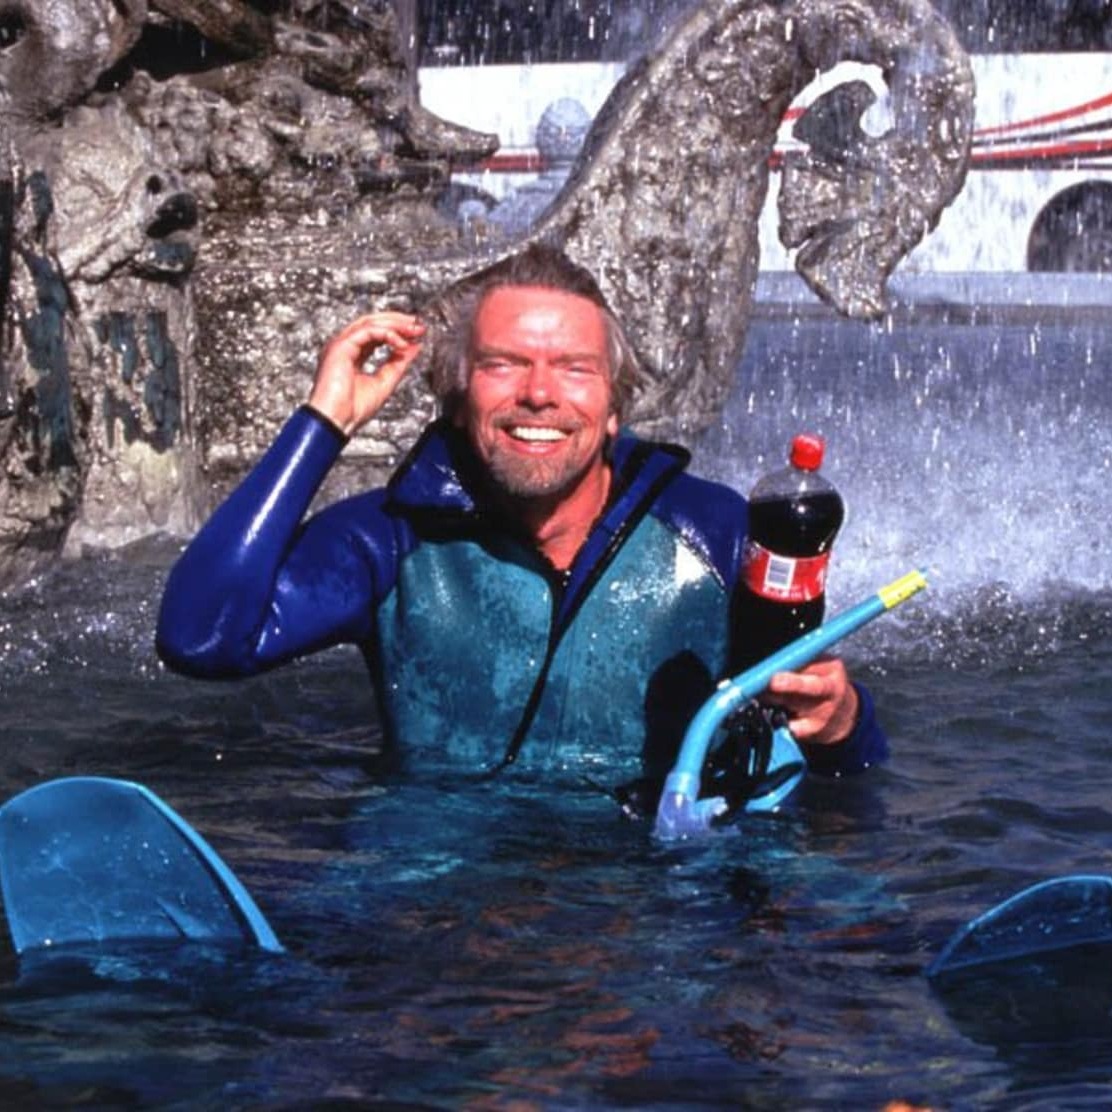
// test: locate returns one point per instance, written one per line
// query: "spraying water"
(975, 441)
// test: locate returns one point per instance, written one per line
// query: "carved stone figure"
(51, 55)
(102, 196)
(203, 190)
(54, 51)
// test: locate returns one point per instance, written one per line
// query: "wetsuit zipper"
(560, 583)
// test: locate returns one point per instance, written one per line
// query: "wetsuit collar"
(438, 473)
(441, 473)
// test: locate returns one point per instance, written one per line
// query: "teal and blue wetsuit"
(480, 652)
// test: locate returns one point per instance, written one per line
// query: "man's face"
(537, 406)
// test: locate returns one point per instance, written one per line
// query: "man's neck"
(559, 525)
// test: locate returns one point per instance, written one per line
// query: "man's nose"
(539, 385)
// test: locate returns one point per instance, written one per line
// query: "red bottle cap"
(807, 449)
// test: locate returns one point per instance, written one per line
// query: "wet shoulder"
(368, 528)
(709, 518)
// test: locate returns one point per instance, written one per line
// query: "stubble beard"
(536, 477)
(533, 478)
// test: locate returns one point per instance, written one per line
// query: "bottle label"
(782, 578)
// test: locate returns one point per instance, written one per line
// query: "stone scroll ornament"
(666, 196)
(195, 193)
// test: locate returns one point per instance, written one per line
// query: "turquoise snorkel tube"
(681, 813)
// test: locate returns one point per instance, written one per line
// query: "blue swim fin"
(91, 859)
(1052, 917)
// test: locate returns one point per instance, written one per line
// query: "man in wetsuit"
(532, 587)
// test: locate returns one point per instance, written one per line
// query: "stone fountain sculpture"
(195, 193)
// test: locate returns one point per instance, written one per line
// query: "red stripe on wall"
(530, 161)
(1053, 118)
(1045, 152)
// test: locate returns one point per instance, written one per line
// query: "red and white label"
(782, 578)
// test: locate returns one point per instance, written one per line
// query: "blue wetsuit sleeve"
(256, 588)
(866, 746)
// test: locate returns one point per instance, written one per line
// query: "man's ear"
(612, 425)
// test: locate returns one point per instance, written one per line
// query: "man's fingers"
(401, 335)
(820, 701)
(378, 383)
(387, 318)
(807, 684)
(347, 390)
(802, 697)
(401, 344)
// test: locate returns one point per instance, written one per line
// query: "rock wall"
(206, 189)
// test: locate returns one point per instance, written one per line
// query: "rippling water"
(519, 944)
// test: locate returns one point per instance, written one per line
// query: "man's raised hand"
(346, 394)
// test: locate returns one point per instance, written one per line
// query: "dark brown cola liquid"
(794, 526)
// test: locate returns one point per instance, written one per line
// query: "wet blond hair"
(538, 265)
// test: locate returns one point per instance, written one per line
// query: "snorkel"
(681, 813)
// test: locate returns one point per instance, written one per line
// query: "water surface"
(520, 944)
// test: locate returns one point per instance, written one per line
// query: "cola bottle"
(794, 516)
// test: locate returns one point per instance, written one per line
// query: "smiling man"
(532, 587)
(538, 411)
